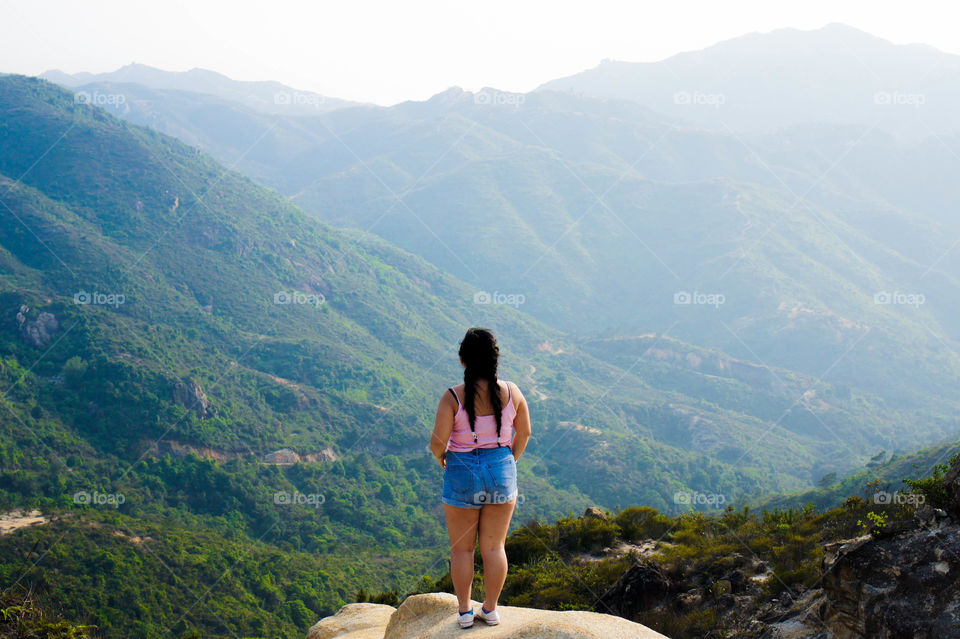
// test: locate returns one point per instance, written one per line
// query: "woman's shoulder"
(515, 393)
(453, 400)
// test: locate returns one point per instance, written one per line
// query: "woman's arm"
(521, 424)
(442, 428)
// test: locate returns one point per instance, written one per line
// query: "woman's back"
(484, 433)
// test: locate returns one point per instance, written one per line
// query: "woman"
(481, 429)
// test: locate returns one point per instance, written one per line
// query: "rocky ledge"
(433, 616)
(903, 585)
(898, 584)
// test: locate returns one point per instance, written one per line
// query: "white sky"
(386, 52)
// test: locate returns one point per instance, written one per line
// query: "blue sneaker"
(466, 618)
(492, 618)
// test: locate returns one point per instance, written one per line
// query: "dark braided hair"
(480, 355)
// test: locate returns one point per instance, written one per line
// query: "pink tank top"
(485, 426)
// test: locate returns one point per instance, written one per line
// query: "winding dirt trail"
(532, 385)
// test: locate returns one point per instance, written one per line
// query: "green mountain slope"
(799, 284)
(598, 212)
(876, 483)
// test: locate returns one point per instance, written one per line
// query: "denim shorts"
(480, 477)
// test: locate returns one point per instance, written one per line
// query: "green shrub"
(933, 487)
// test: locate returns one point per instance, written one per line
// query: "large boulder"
(354, 621)
(642, 587)
(434, 616)
(905, 585)
(901, 583)
(592, 512)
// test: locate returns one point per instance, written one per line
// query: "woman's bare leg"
(494, 522)
(462, 529)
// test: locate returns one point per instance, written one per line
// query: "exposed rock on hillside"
(907, 585)
(38, 331)
(282, 457)
(16, 519)
(189, 395)
(178, 449)
(286, 457)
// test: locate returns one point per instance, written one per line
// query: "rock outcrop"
(177, 449)
(354, 621)
(38, 331)
(951, 481)
(188, 394)
(644, 586)
(905, 585)
(282, 457)
(16, 519)
(433, 616)
(896, 584)
(592, 512)
(287, 457)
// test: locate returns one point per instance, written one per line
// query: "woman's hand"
(443, 460)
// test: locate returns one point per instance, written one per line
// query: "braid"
(469, 393)
(495, 400)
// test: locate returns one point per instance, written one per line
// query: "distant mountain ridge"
(761, 82)
(266, 96)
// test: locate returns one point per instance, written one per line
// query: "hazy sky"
(385, 52)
